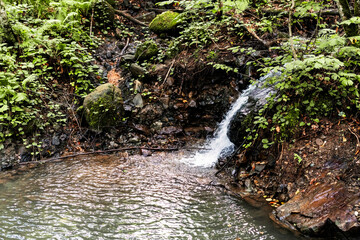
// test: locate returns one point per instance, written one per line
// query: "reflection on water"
(106, 197)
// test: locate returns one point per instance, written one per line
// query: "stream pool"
(109, 197)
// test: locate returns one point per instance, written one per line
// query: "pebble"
(319, 142)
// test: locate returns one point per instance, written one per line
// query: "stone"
(170, 130)
(313, 210)
(104, 11)
(165, 101)
(166, 22)
(137, 70)
(104, 107)
(170, 81)
(151, 112)
(142, 128)
(55, 141)
(192, 104)
(156, 126)
(128, 57)
(146, 50)
(137, 86)
(138, 101)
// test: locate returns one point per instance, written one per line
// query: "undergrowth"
(44, 54)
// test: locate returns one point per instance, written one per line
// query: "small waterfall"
(220, 145)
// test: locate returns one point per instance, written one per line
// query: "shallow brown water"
(107, 197)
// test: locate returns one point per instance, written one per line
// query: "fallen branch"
(122, 51)
(110, 151)
(266, 44)
(124, 14)
(168, 72)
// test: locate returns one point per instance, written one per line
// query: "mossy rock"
(166, 22)
(104, 107)
(146, 50)
(104, 12)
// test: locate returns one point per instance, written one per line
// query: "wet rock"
(318, 207)
(137, 70)
(104, 107)
(244, 117)
(166, 22)
(8, 157)
(138, 101)
(171, 130)
(146, 50)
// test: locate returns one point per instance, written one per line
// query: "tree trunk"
(345, 13)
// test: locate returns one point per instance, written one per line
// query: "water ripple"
(109, 198)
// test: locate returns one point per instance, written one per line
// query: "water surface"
(108, 197)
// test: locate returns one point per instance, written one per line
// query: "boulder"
(104, 12)
(146, 50)
(104, 107)
(320, 207)
(166, 22)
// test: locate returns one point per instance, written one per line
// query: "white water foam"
(221, 146)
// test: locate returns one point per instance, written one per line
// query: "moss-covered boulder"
(166, 22)
(104, 13)
(146, 50)
(104, 107)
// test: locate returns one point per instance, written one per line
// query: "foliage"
(213, 6)
(40, 54)
(322, 82)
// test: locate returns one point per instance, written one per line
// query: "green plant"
(40, 55)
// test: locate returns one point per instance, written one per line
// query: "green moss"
(166, 22)
(146, 50)
(104, 107)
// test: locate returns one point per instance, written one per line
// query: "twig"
(122, 51)
(168, 72)
(111, 151)
(253, 33)
(357, 138)
(92, 19)
(122, 13)
(126, 45)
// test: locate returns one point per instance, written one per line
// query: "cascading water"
(220, 146)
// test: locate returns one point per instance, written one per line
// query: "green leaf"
(20, 97)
